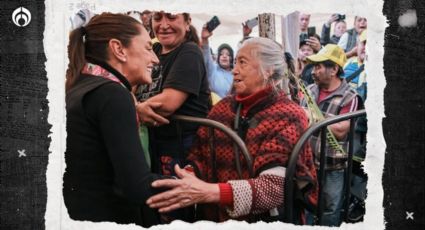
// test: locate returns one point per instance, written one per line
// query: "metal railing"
(290, 170)
(229, 132)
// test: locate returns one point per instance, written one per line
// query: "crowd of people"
(128, 161)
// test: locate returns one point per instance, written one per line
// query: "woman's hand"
(147, 114)
(186, 191)
(205, 34)
(332, 18)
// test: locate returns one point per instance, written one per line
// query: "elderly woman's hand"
(147, 114)
(186, 191)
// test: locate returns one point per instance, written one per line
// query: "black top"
(107, 177)
(181, 69)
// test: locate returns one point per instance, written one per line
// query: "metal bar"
(211, 143)
(290, 169)
(348, 171)
(210, 123)
(322, 174)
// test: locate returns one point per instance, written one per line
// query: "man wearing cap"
(333, 96)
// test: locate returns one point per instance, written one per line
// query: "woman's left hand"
(186, 191)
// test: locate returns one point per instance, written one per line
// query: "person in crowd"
(107, 177)
(339, 29)
(333, 96)
(354, 66)
(219, 74)
(312, 40)
(304, 22)
(270, 124)
(81, 18)
(146, 17)
(180, 85)
(304, 70)
(292, 78)
(246, 31)
(348, 40)
(356, 75)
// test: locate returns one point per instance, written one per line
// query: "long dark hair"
(192, 34)
(91, 41)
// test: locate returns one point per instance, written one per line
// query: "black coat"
(106, 178)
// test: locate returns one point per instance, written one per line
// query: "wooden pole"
(266, 26)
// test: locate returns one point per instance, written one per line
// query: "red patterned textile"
(275, 125)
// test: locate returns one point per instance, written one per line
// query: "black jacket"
(106, 178)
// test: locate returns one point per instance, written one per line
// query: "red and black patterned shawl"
(276, 124)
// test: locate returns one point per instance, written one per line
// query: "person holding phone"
(219, 73)
(304, 69)
(308, 34)
(348, 40)
(339, 29)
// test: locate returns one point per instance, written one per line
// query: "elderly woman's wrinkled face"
(247, 77)
(170, 29)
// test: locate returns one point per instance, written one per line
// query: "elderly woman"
(107, 177)
(270, 124)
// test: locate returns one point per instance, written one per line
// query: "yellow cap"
(363, 36)
(330, 52)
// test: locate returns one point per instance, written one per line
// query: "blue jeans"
(333, 197)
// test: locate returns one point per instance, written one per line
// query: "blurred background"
(230, 29)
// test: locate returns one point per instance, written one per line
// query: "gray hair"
(271, 57)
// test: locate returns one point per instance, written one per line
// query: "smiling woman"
(107, 177)
(180, 84)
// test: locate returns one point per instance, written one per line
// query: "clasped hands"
(148, 113)
(185, 191)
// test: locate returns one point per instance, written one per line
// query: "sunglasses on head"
(157, 16)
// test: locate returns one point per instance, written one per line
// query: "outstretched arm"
(186, 191)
